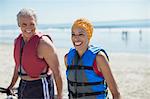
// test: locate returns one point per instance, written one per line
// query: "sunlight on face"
(79, 39)
(28, 26)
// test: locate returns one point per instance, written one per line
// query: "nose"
(76, 37)
(28, 27)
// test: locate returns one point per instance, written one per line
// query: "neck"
(26, 39)
(81, 52)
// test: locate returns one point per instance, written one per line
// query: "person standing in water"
(88, 71)
(36, 61)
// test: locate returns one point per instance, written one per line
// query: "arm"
(65, 60)
(14, 79)
(48, 52)
(104, 67)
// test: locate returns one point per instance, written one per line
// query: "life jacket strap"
(79, 95)
(44, 74)
(85, 83)
(24, 74)
(78, 67)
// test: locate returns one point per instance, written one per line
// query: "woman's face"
(80, 39)
(28, 26)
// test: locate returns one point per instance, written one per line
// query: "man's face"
(27, 25)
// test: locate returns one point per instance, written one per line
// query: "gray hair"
(26, 12)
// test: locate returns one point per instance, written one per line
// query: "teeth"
(28, 31)
(77, 43)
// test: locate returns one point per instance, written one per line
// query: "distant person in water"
(88, 71)
(36, 61)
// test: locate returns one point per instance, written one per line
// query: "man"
(36, 61)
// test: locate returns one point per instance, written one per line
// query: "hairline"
(26, 12)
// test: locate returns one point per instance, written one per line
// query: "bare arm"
(104, 67)
(65, 60)
(14, 79)
(48, 52)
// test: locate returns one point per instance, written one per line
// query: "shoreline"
(131, 71)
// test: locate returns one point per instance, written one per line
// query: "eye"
(73, 34)
(24, 25)
(32, 24)
(81, 34)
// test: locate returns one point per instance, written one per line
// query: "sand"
(131, 72)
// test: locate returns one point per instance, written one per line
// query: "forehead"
(78, 30)
(26, 18)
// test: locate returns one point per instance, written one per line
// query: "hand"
(10, 92)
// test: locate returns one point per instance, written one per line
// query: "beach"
(131, 71)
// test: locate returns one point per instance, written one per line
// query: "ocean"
(130, 40)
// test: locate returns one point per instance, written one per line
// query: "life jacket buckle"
(74, 84)
(82, 84)
(83, 94)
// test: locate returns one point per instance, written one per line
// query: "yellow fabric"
(85, 24)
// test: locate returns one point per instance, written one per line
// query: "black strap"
(71, 67)
(85, 83)
(48, 37)
(21, 50)
(20, 73)
(79, 95)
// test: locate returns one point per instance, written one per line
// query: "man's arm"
(14, 78)
(48, 52)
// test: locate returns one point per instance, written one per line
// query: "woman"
(88, 71)
(35, 61)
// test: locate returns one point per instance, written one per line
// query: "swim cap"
(85, 24)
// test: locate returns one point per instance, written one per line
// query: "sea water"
(131, 40)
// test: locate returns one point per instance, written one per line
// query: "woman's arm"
(104, 67)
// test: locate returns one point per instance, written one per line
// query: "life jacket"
(30, 61)
(83, 81)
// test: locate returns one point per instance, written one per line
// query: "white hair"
(26, 12)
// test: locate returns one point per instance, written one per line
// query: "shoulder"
(102, 61)
(66, 56)
(45, 42)
(103, 54)
(46, 45)
(65, 59)
(101, 57)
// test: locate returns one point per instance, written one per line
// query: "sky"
(66, 11)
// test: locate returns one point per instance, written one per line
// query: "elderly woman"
(88, 71)
(35, 61)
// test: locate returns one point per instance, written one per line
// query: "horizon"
(131, 20)
(144, 23)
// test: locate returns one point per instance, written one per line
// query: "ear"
(18, 25)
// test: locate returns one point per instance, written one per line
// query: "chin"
(78, 48)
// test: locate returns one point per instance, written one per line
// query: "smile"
(77, 43)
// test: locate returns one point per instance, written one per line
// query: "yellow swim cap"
(85, 24)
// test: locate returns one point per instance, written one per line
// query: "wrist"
(59, 96)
